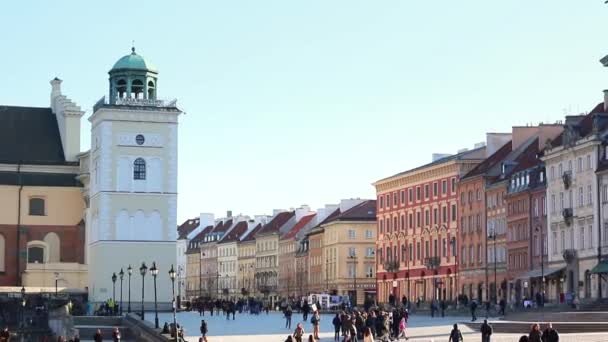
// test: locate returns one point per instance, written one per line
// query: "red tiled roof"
(251, 235)
(222, 226)
(188, 226)
(235, 233)
(364, 211)
(485, 165)
(301, 224)
(277, 222)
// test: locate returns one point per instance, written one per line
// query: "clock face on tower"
(139, 139)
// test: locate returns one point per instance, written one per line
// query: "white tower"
(133, 186)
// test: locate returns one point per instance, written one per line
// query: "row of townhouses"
(291, 253)
(521, 215)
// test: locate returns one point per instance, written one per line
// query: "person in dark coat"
(503, 305)
(535, 334)
(442, 305)
(455, 334)
(550, 334)
(116, 335)
(486, 331)
(473, 309)
(97, 337)
(288, 313)
(305, 311)
(337, 322)
(204, 329)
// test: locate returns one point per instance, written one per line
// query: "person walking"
(402, 329)
(298, 333)
(315, 320)
(5, 335)
(473, 309)
(116, 335)
(535, 333)
(204, 329)
(486, 331)
(98, 337)
(288, 313)
(503, 305)
(442, 305)
(455, 334)
(550, 334)
(305, 310)
(337, 325)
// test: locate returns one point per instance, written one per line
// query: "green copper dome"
(133, 61)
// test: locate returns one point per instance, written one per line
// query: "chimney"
(302, 211)
(55, 91)
(207, 219)
(229, 214)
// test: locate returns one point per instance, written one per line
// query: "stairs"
(87, 327)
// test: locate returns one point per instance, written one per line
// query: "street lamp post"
(542, 266)
(493, 237)
(56, 282)
(114, 291)
(217, 280)
(354, 259)
(327, 275)
(23, 308)
(200, 276)
(121, 274)
(172, 276)
(404, 252)
(178, 301)
(142, 270)
(154, 272)
(129, 272)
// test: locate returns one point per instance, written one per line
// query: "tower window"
(137, 88)
(139, 169)
(139, 139)
(121, 88)
(36, 206)
(150, 90)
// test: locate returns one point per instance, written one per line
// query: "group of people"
(116, 335)
(536, 335)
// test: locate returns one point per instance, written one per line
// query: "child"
(402, 329)
(298, 333)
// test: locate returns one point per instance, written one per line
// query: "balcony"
(567, 179)
(391, 266)
(570, 255)
(141, 103)
(567, 213)
(432, 262)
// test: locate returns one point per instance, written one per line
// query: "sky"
(308, 102)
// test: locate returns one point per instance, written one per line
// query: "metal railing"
(126, 101)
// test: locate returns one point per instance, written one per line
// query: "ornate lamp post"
(23, 306)
(129, 272)
(142, 270)
(121, 274)
(493, 237)
(56, 281)
(114, 288)
(354, 259)
(542, 266)
(172, 276)
(154, 272)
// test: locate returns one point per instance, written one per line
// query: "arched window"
(35, 255)
(36, 206)
(139, 169)
(137, 88)
(151, 90)
(121, 88)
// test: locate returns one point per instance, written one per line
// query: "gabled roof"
(585, 126)
(277, 222)
(30, 135)
(236, 233)
(198, 238)
(364, 211)
(489, 162)
(299, 226)
(222, 226)
(187, 227)
(251, 235)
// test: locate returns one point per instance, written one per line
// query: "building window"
(402, 222)
(463, 256)
(453, 184)
(590, 236)
(580, 196)
(139, 169)
(388, 225)
(444, 186)
(478, 195)
(427, 247)
(582, 238)
(381, 198)
(402, 196)
(410, 252)
(388, 200)
(395, 223)
(444, 214)
(369, 252)
(552, 173)
(418, 220)
(554, 242)
(35, 255)
(352, 234)
(435, 216)
(411, 219)
(417, 193)
(561, 201)
(589, 196)
(427, 217)
(369, 234)
(562, 236)
(435, 190)
(579, 166)
(589, 166)
(394, 199)
(36, 207)
(553, 204)
(426, 191)
(381, 226)
(410, 195)
(462, 198)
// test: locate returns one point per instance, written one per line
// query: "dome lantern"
(132, 77)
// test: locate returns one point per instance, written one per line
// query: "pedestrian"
(204, 329)
(116, 335)
(311, 338)
(535, 333)
(550, 334)
(367, 335)
(5, 335)
(433, 308)
(443, 308)
(455, 334)
(305, 310)
(473, 308)
(486, 331)
(337, 322)
(76, 338)
(288, 313)
(97, 337)
(524, 338)
(289, 339)
(165, 329)
(299, 332)
(315, 320)
(402, 329)
(503, 305)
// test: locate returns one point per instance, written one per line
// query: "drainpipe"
(599, 223)
(20, 183)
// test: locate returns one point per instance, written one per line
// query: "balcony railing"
(136, 103)
(567, 213)
(567, 179)
(432, 262)
(569, 255)
(391, 266)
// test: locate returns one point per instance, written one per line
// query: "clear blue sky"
(307, 102)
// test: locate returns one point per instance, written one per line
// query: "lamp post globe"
(142, 270)
(154, 272)
(172, 276)
(129, 273)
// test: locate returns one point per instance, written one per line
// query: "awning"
(537, 273)
(601, 267)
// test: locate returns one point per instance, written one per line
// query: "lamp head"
(143, 269)
(114, 277)
(153, 269)
(172, 273)
(121, 273)
(129, 270)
